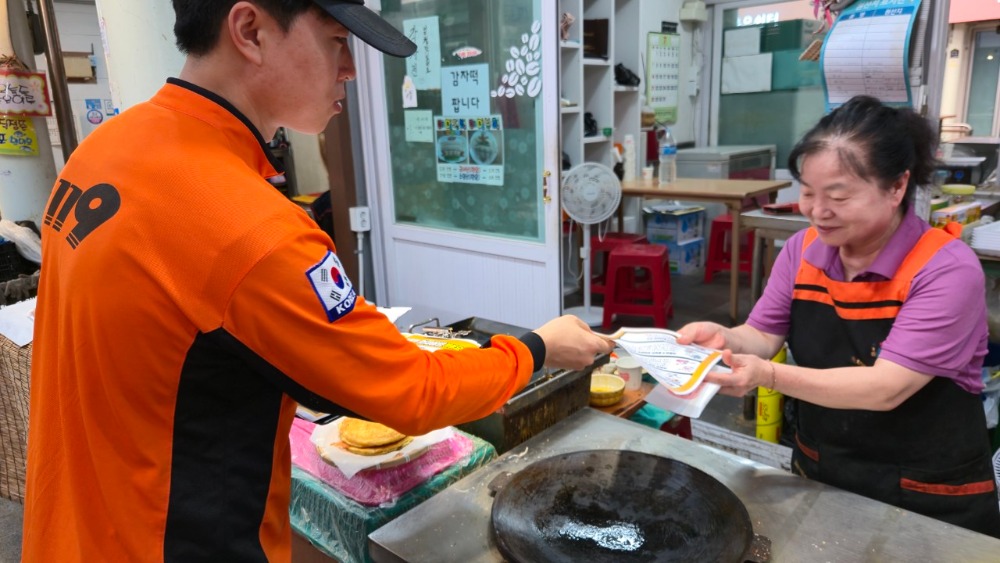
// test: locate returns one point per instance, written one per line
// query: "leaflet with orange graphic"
(680, 368)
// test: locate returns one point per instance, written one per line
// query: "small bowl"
(606, 390)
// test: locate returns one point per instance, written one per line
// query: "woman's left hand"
(748, 372)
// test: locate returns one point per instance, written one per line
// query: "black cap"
(369, 26)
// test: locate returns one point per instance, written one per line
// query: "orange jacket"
(184, 307)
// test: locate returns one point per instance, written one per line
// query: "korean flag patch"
(332, 287)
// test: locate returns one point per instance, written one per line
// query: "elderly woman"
(886, 320)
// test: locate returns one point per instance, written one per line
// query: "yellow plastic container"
(770, 407)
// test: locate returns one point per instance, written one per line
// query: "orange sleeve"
(296, 312)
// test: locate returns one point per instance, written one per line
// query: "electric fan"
(590, 194)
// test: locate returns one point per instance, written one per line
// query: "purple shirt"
(941, 327)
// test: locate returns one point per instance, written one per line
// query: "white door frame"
(545, 289)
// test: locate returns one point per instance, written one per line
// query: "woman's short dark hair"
(199, 22)
(875, 142)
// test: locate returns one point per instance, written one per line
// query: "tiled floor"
(11, 517)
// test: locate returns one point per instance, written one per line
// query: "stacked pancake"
(370, 438)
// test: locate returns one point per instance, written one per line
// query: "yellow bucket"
(770, 406)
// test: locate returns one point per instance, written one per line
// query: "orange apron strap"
(929, 244)
(811, 235)
(954, 229)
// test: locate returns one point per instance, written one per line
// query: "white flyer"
(680, 368)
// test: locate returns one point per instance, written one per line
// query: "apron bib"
(931, 454)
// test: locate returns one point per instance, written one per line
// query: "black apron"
(930, 455)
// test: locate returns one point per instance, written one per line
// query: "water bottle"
(668, 158)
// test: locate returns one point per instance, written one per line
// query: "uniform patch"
(331, 285)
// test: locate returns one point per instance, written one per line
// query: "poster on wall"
(24, 93)
(17, 136)
(469, 149)
(867, 52)
(465, 90)
(424, 66)
(663, 53)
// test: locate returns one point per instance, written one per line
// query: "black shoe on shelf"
(589, 125)
(625, 77)
(566, 164)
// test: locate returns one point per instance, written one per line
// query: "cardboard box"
(673, 224)
(687, 257)
(963, 213)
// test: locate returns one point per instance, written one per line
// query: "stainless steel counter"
(806, 521)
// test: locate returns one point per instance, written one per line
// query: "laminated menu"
(680, 368)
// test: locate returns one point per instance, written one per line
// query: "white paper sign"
(419, 126)
(747, 74)
(424, 66)
(465, 90)
(409, 93)
(741, 42)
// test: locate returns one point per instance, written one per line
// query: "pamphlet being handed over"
(680, 368)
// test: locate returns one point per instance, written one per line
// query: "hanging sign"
(867, 52)
(24, 93)
(465, 90)
(470, 149)
(17, 136)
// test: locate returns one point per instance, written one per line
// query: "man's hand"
(570, 344)
(709, 335)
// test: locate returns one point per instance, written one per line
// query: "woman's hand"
(709, 335)
(748, 372)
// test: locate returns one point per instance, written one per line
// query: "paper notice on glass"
(867, 52)
(465, 90)
(419, 126)
(741, 75)
(742, 41)
(679, 368)
(424, 66)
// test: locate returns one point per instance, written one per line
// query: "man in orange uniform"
(186, 306)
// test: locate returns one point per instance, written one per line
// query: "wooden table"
(767, 229)
(730, 192)
(630, 403)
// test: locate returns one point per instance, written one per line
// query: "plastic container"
(771, 407)
(959, 193)
(668, 159)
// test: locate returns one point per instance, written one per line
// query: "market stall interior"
(458, 159)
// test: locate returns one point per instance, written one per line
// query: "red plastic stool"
(719, 252)
(622, 299)
(611, 241)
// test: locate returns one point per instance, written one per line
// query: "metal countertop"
(805, 520)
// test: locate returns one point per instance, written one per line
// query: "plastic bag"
(27, 242)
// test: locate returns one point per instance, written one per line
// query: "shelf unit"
(590, 82)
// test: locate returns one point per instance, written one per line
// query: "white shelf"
(626, 88)
(571, 109)
(596, 139)
(590, 61)
(569, 44)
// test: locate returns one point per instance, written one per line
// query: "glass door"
(982, 104)
(473, 164)
(469, 206)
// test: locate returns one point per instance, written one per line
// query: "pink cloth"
(941, 328)
(374, 487)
